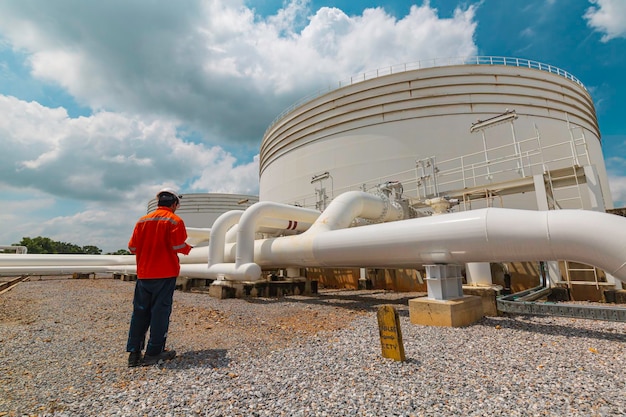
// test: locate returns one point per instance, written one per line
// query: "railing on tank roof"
(432, 63)
(475, 169)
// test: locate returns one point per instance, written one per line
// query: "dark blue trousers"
(152, 306)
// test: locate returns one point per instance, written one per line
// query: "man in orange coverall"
(157, 240)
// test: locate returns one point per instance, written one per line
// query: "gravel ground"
(62, 352)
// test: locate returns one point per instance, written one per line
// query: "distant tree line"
(46, 245)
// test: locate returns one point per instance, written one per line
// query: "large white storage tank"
(429, 126)
(202, 209)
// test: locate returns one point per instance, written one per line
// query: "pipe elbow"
(245, 272)
(248, 272)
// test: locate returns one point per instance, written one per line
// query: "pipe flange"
(386, 203)
(399, 210)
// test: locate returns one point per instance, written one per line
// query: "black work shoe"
(166, 355)
(134, 359)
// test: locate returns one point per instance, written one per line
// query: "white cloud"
(108, 165)
(608, 17)
(18, 216)
(615, 166)
(617, 184)
(152, 71)
(99, 157)
(224, 177)
(215, 64)
(85, 228)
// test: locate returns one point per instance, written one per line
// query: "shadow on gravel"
(351, 300)
(211, 358)
(522, 323)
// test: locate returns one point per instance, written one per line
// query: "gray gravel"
(62, 353)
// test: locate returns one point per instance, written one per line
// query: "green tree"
(38, 244)
(67, 248)
(45, 245)
(92, 250)
(119, 252)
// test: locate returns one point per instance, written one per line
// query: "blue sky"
(103, 103)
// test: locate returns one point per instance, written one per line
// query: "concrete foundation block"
(83, 275)
(365, 284)
(253, 289)
(488, 295)
(129, 277)
(615, 296)
(457, 312)
(182, 284)
(220, 291)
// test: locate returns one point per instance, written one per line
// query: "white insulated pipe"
(296, 218)
(252, 216)
(273, 226)
(339, 214)
(486, 235)
(66, 269)
(248, 222)
(65, 264)
(352, 204)
(62, 259)
(197, 235)
(218, 235)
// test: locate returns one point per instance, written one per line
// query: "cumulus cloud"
(19, 216)
(615, 166)
(608, 17)
(100, 157)
(107, 165)
(215, 64)
(617, 184)
(149, 72)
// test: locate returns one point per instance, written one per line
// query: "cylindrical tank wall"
(201, 210)
(377, 129)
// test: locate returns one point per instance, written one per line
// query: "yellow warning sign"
(390, 333)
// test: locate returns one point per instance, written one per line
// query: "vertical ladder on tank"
(578, 142)
(570, 176)
(566, 176)
(569, 269)
(569, 182)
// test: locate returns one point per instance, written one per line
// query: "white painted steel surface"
(218, 240)
(35, 264)
(200, 210)
(376, 129)
(486, 235)
(198, 235)
(478, 273)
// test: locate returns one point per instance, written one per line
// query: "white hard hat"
(168, 190)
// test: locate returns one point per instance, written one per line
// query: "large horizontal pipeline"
(486, 235)
(33, 260)
(65, 269)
